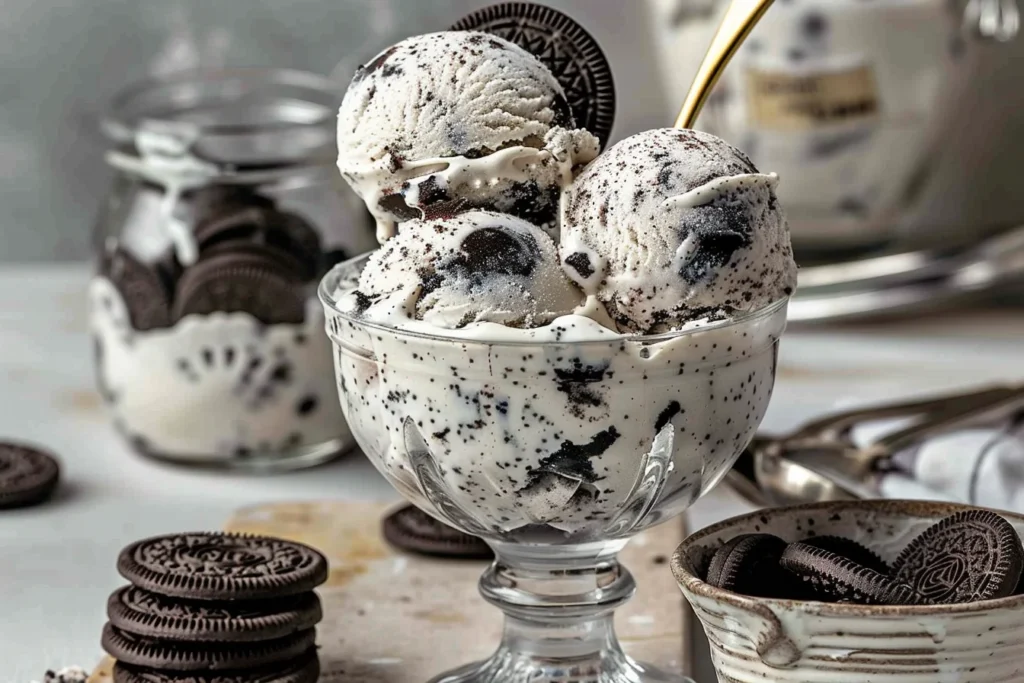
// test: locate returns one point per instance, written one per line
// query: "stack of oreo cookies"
(215, 608)
(253, 258)
(969, 556)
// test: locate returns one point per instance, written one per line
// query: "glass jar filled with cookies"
(225, 211)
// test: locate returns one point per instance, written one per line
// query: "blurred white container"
(850, 102)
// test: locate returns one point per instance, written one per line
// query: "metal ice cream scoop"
(821, 462)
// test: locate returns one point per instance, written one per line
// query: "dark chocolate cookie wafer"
(142, 288)
(178, 656)
(241, 283)
(217, 200)
(243, 223)
(285, 233)
(836, 578)
(972, 555)
(332, 257)
(27, 475)
(217, 566)
(565, 47)
(413, 530)
(156, 616)
(749, 564)
(282, 260)
(297, 236)
(169, 269)
(306, 669)
(849, 549)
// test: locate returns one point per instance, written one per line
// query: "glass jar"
(225, 210)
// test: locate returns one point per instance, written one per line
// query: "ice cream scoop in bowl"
(556, 444)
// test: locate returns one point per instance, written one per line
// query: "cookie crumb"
(70, 674)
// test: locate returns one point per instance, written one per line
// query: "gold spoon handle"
(737, 23)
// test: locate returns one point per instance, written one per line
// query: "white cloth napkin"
(981, 466)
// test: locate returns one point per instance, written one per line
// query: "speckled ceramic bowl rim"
(693, 583)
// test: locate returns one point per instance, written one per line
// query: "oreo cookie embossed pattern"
(969, 556)
(215, 608)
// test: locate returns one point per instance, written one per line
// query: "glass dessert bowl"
(556, 445)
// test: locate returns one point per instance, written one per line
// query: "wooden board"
(396, 618)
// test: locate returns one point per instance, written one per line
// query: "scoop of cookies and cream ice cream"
(670, 226)
(477, 266)
(458, 115)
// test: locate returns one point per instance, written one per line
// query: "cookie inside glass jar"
(210, 344)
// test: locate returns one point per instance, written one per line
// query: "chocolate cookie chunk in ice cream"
(671, 226)
(473, 267)
(458, 115)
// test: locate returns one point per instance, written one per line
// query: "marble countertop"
(57, 560)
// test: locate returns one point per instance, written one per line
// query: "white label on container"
(788, 101)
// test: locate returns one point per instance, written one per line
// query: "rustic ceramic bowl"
(798, 641)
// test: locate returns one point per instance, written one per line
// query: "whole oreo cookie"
(849, 549)
(836, 578)
(177, 656)
(305, 669)
(27, 475)
(749, 564)
(565, 47)
(971, 555)
(232, 282)
(413, 530)
(142, 288)
(216, 566)
(156, 616)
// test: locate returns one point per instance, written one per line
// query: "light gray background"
(60, 60)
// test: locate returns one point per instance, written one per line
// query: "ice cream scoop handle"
(739, 19)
